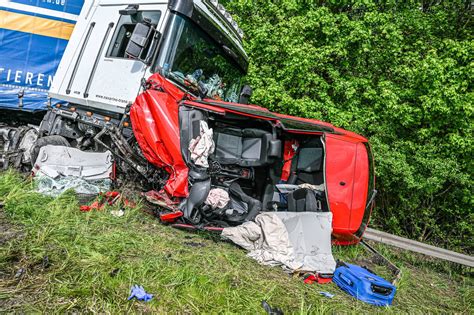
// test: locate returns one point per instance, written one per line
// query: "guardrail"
(418, 247)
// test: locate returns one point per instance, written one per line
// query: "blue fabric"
(139, 293)
(28, 61)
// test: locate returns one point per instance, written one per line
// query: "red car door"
(347, 180)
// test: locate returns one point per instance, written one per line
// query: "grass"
(54, 258)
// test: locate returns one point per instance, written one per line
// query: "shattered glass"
(55, 187)
(196, 58)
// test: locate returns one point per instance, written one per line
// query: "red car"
(253, 159)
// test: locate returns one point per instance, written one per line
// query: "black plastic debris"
(271, 310)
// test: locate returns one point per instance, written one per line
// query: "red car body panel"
(347, 177)
(155, 121)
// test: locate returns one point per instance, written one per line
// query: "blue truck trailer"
(33, 37)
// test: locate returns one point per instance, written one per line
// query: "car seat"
(302, 200)
(241, 207)
(245, 147)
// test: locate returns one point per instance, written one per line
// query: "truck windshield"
(192, 56)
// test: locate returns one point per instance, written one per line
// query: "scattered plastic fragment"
(320, 278)
(108, 198)
(139, 293)
(171, 216)
(162, 199)
(20, 272)
(271, 310)
(195, 244)
(326, 294)
(115, 272)
(117, 213)
(45, 263)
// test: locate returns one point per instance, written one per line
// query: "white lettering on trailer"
(18, 76)
(40, 79)
(15, 77)
(29, 78)
(50, 80)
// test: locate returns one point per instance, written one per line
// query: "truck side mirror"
(131, 9)
(142, 37)
(245, 94)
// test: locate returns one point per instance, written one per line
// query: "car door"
(347, 179)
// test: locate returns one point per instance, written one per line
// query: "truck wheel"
(41, 142)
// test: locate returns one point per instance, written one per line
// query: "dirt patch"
(9, 231)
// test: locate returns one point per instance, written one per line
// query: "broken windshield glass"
(192, 56)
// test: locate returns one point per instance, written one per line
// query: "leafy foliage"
(398, 72)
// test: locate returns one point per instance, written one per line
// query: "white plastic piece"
(68, 161)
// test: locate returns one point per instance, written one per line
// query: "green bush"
(398, 72)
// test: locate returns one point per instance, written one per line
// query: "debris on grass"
(92, 259)
(109, 198)
(298, 241)
(364, 285)
(271, 310)
(310, 278)
(139, 293)
(327, 294)
(117, 213)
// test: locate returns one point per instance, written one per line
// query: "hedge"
(397, 72)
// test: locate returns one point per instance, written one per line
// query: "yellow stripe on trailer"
(35, 25)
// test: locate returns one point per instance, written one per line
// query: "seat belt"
(289, 151)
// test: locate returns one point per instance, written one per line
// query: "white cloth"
(296, 240)
(217, 198)
(202, 146)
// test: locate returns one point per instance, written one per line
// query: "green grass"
(93, 259)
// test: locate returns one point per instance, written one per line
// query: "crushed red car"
(250, 160)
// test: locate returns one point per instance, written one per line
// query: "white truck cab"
(117, 43)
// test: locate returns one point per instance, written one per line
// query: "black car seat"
(200, 182)
(303, 199)
(308, 166)
(241, 207)
(245, 147)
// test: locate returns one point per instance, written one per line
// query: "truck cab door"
(101, 75)
(347, 180)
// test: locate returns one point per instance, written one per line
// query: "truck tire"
(41, 142)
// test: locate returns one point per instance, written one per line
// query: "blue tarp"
(33, 36)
